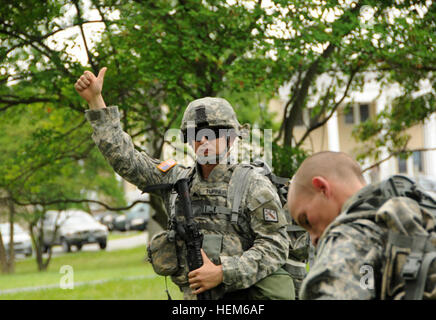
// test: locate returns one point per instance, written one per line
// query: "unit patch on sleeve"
(166, 165)
(270, 215)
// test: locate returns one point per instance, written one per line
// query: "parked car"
(135, 219)
(22, 240)
(107, 218)
(72, 228)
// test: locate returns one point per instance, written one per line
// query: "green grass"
(142, 289)
(114, 267)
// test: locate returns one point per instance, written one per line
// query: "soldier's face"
(206, 147)
(313, 210)
(209, 143)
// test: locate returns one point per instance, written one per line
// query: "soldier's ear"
(320, 184)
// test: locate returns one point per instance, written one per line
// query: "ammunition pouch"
(297, 270)
(162, 254)
(212, 246)
(277, 286)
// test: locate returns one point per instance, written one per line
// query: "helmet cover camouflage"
(210, 112)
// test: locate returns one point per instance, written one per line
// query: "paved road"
(126, 243)
(116, 244)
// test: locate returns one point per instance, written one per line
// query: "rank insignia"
(166, 165)
(270, 215)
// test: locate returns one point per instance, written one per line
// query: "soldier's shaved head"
(319, 189)
(330, 165)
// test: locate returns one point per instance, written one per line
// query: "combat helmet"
(210, 112)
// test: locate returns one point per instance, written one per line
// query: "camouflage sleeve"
(117, 147)
(346, 263)
(271, 245)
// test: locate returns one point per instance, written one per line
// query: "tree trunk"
(156, 202)
(152, 228)
(341, 27)
(160, 216)
(36, 240)
(3, 258)
(11, 260)
(38, 243)
(301, 96)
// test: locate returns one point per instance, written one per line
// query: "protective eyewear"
(210, 133)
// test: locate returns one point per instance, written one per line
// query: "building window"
(356, 114)
(364, 112)
(349, 115)
(402, 165)
(417, 161)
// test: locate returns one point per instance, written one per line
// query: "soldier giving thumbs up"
(89, 87)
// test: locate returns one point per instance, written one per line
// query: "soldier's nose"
(203, 140)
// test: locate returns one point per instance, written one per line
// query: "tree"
(39, 168)
(7, 259)
(331, 46)
(158, 52)
(167, 53)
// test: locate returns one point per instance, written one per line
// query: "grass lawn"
(125, 274)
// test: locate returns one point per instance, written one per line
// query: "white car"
(22, 240)
(72, 228)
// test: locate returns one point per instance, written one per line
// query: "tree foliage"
(332, 48)
(163, 54)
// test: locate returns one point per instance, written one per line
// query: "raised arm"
(116, 145)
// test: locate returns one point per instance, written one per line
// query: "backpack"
(300, 250)
(410, 247)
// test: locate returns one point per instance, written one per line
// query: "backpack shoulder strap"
(417, 264)
(423, 273)
(280, 183)
(239, 187)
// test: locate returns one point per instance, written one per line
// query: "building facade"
(336, 135)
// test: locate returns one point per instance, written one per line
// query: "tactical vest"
(409, 259)
(219, 215)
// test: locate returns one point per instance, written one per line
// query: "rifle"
(190, 233)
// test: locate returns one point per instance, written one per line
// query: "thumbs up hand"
(89, 87)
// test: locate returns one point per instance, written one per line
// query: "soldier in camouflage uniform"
(366, 238)
(240, 249)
